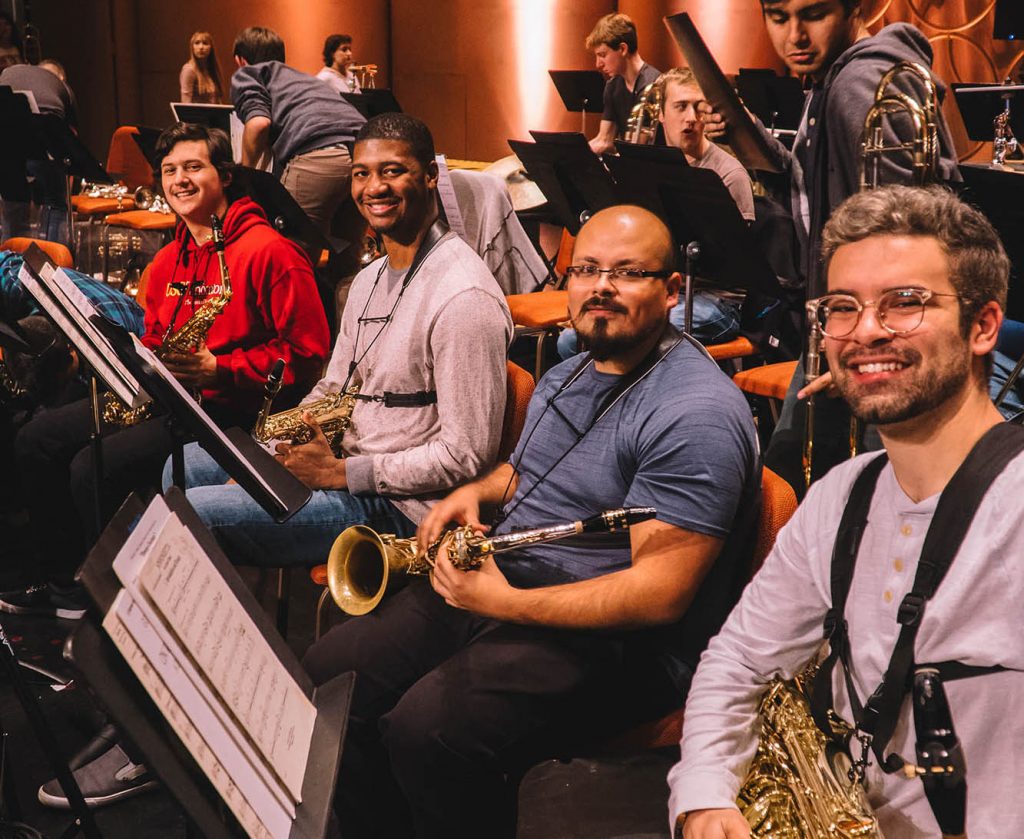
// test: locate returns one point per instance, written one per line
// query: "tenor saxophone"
(186, 338)
(799, 785)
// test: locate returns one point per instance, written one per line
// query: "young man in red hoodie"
(275, 312)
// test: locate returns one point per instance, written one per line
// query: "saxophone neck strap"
(952, 519)
(419, 399)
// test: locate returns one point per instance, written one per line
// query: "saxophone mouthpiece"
(611, 521)
(218, 233)
(274, 379)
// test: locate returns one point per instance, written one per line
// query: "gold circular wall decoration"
(921, 8)
(871, 18)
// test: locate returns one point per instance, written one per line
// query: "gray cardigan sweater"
(450, 333)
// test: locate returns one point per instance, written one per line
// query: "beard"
(601, 342)
(924, 390)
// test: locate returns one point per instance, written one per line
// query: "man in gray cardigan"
(424, 335)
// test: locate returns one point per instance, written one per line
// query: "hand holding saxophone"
(461, 507)
(195, 370)
(314, 462)
(716, 824)
(485, 592)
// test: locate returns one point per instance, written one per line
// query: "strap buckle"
(833, 626)
(911, 609)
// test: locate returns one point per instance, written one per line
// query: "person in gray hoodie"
(827, 43)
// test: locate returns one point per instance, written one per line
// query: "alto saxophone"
(333, 413)
(184, 339)
(799, 785)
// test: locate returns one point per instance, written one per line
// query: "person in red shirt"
(274, 312)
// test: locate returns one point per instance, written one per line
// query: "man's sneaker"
(69, 602)
(110, 777)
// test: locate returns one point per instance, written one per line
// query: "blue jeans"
(249, 536)
(714, 320)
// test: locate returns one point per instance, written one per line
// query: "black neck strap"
(433, 235)
(953, 516)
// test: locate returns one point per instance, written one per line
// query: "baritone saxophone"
(184, 339)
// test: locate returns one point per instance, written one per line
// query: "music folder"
(269, 483)
(163, 666)
(744, 137)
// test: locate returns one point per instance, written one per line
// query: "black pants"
(449, 708)
(55, 465)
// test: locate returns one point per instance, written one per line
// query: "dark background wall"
(475, 70)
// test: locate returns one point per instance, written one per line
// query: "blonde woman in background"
(200, 75)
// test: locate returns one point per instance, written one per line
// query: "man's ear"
(240, 62)
(432, 174)
(984, 334)
(672, 286)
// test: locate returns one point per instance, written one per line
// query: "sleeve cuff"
(359, 476)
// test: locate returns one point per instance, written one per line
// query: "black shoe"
(69, 602)
(109, 778)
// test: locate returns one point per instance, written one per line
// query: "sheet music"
(449, 200)
(150, 357)
(156, 668)
(50, 290)
(157, 532)
(198, 612)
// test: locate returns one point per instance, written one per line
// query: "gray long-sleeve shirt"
(449, 332)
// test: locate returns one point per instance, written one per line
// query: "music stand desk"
(373, 102)
(582, 92)
(980, 104)
(569, 174)
(112, 680)
(697, 207)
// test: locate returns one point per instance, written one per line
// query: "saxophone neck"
(217, 228)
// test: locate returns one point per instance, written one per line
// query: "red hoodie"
(275, 310)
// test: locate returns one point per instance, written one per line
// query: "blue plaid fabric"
(16, 303)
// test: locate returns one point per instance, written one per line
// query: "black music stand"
(267, 482)
(778, 101)
(570, 175)
(145, 138)
(744, 137)
(713, 237)
(112, 680)
(373, 102)
(582, 92)
(980, 104)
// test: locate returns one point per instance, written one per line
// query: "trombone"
(923, 149)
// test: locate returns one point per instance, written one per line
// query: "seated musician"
(274, 313)
(424, 336)
(476, 674)
(614, 44)
(716, 317)
(917, 282)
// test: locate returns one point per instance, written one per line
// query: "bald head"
(639, 230)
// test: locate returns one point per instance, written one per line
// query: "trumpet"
(148, 199)
(362, 562)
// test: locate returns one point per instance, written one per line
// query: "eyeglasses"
(899, 310)
(590, 273)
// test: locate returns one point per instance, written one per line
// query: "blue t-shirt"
(681, 440)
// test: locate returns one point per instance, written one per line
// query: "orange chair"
(59, 253)
(770, 381)
(778, 503)
(518, 390)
